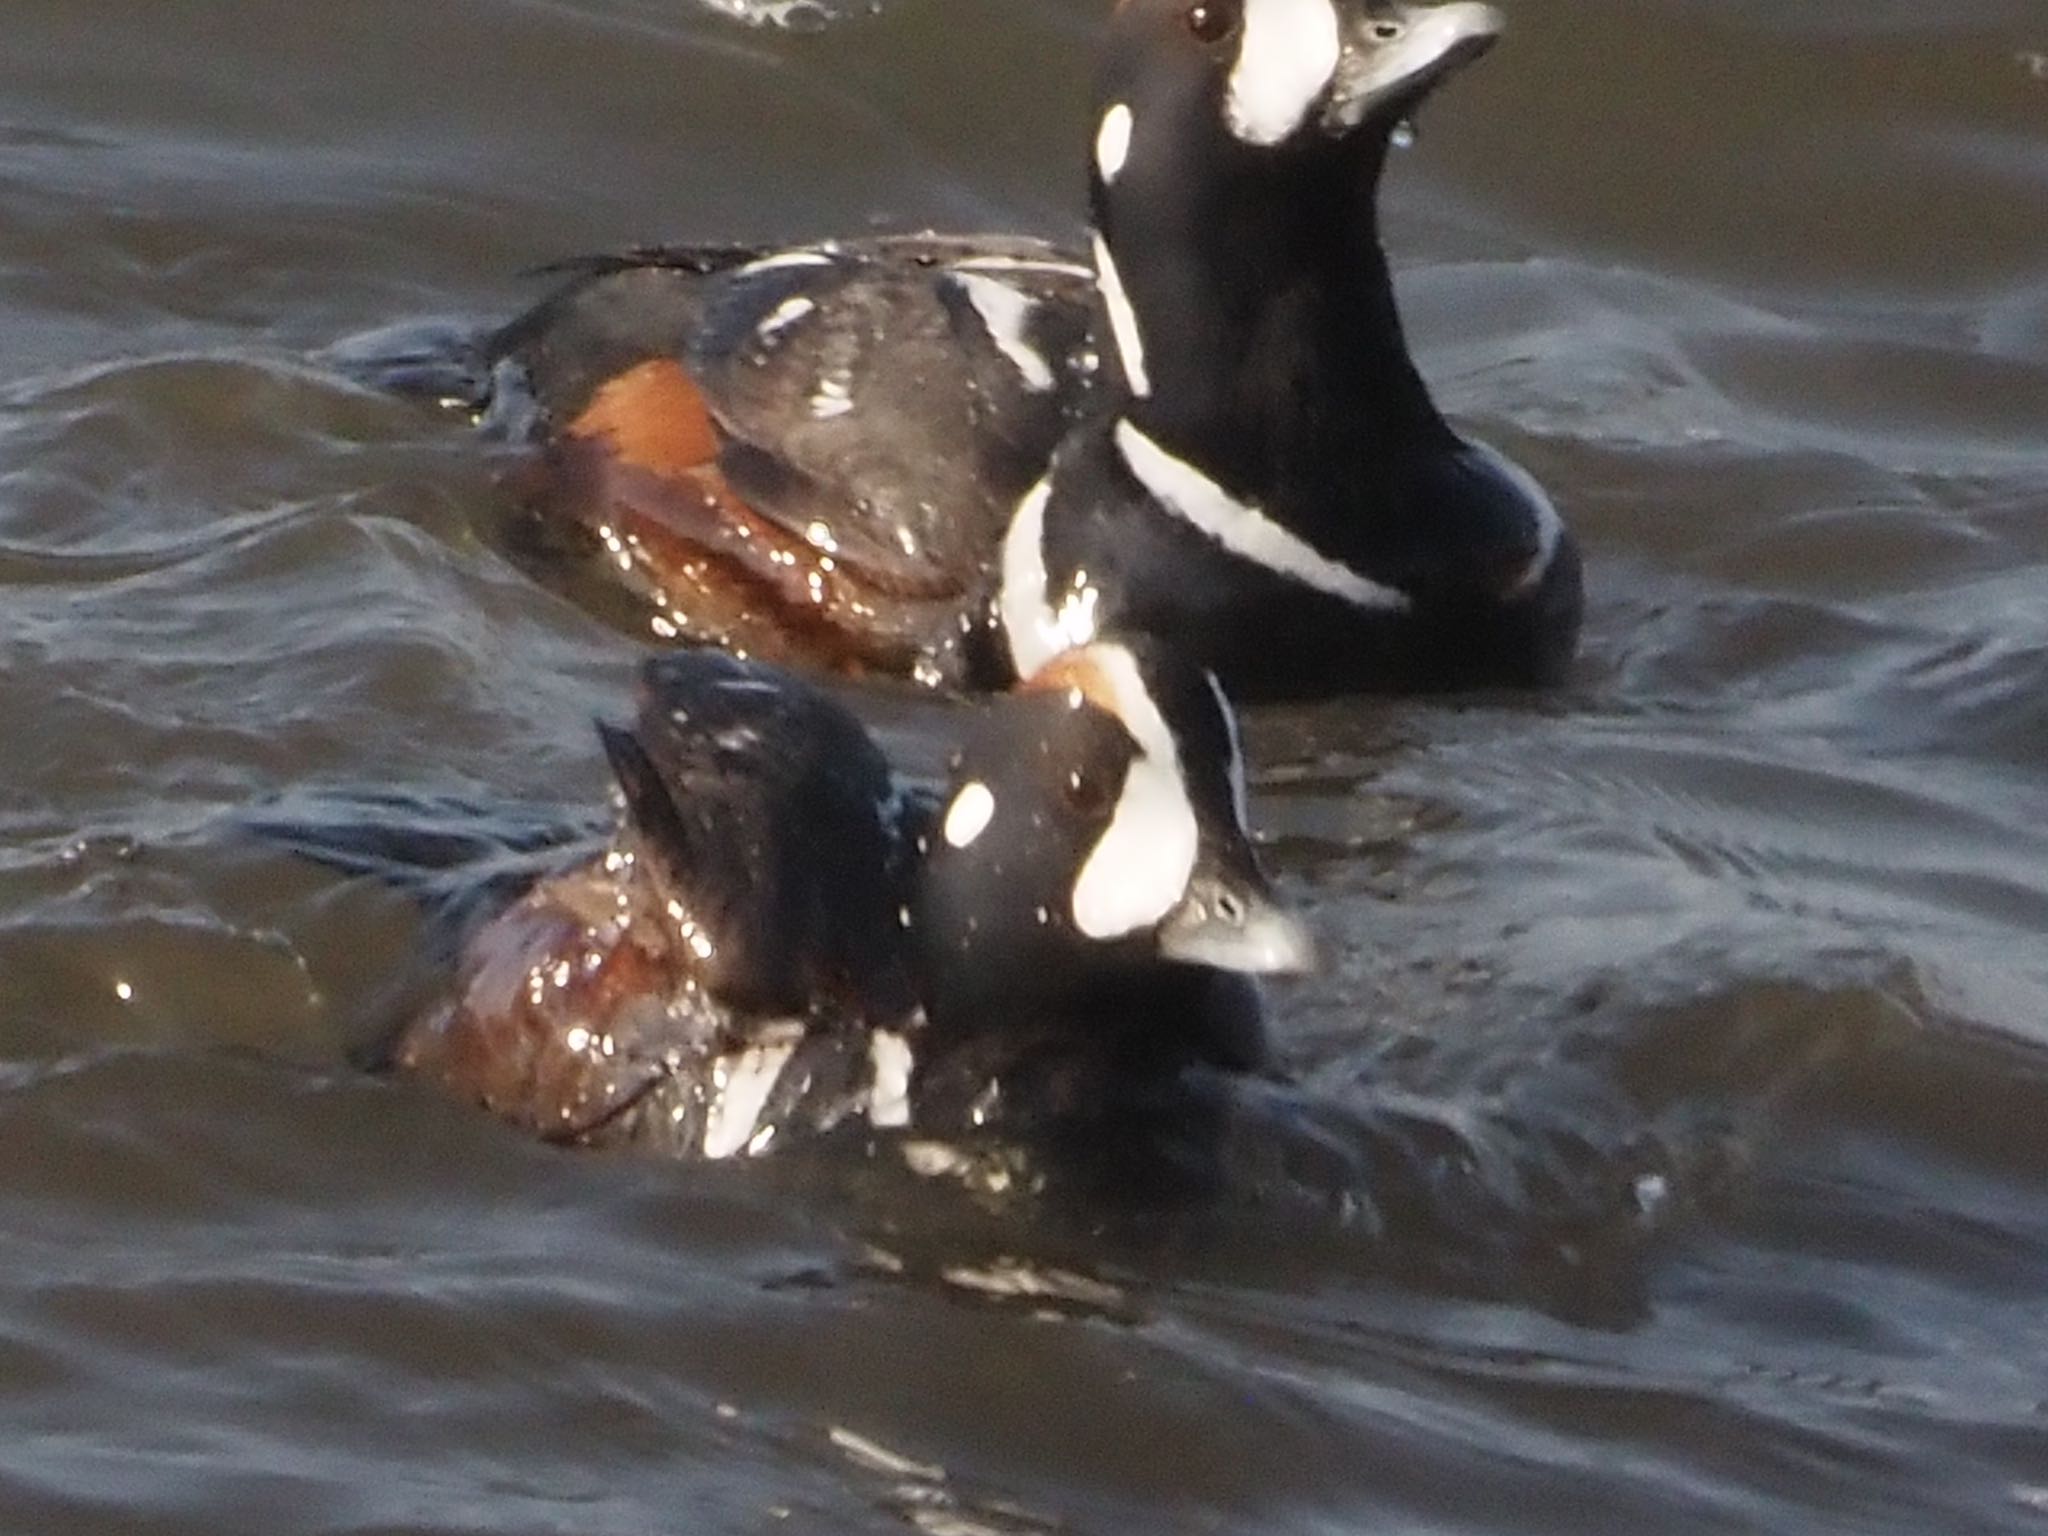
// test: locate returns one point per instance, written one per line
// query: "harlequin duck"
(839, 453)
(781, 939)
(1269, 472)
(806, 454)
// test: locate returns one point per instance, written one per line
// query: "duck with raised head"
(782, 939)
(1268, 475)
(953, 457)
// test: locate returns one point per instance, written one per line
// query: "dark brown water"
(1748, 923)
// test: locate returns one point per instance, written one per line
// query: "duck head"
(1090, 859)
(1237, 151)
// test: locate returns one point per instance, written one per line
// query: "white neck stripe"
(1246, 531)
(1123, 320)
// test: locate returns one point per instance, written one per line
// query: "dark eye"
(1387, 31)
(1213, 20)
(1087, 793)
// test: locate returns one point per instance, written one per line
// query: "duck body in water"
(781, 939)
(952, 458)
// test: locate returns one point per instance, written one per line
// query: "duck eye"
(1212, 20)
(1086, 793)
(1230, 907)
(1386, 31)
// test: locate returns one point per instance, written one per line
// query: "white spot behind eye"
(1113, 141)
(1123, 321)
(1139, 867)
(969, 814)
(1285, 60)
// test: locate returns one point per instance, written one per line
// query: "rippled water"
(1743, 930)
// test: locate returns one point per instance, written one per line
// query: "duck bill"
(1229, 925)
(1383, 78)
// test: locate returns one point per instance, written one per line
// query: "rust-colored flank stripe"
(652, 416)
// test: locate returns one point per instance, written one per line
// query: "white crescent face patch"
(1286, 57)
(1139, 868)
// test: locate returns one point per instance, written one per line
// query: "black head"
(1236, 158)
(1202, 79)
(1090, 857)
(763, 814)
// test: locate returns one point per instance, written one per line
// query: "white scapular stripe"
(1285, 61)
(1005, 313)
(1246, 531)
(1123, 320)
(1138, 870)
(1051, 264)
(1113, 142)
(808, 256)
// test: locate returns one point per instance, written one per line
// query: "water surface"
(1746, 924)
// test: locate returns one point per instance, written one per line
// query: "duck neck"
(1258, 338)
(1154, 1018)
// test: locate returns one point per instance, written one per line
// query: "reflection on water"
(793, 14)
(1672, 1154)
